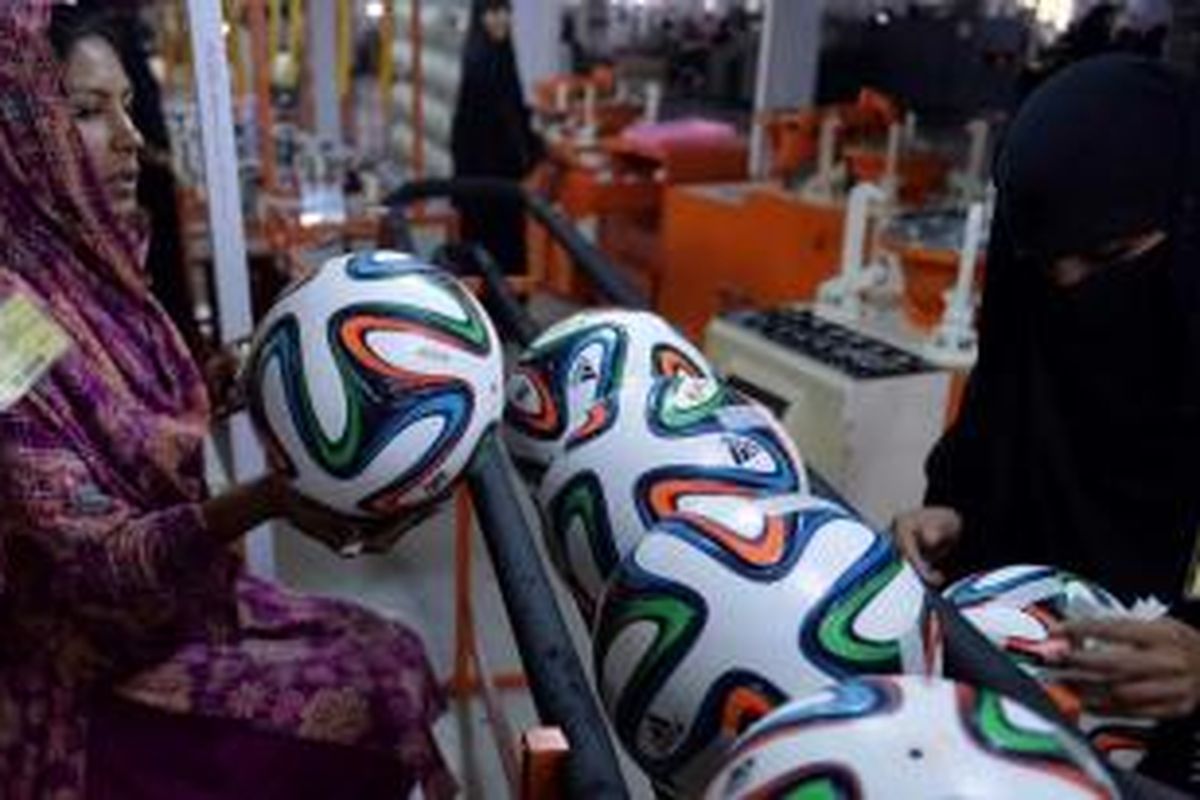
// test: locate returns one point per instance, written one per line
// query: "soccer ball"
(881, 738)
(1016, 608)
(579, 361)
(371, 383)
(649, 451)
(705, 628)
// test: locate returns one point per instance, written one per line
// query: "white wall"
(787, 62)
(536, 28)
(787, 65)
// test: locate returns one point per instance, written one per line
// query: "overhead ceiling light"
(374, 9)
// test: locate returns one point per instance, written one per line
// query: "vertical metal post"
(787, 66)
(215, 106)
(260, 48)
(321, 18)
(416, 70)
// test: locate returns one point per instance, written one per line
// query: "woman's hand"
(344, 535)
(925, 537)
(222, 373)
(1135, 668)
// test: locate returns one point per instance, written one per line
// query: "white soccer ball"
(581, 360)
(909, 737)
(647, 452)
(1017, 608)
(709, 625)
(372, 381)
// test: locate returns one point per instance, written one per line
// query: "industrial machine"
(863, 391)
(863, 409)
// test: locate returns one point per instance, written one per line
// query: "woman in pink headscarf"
(122, 608)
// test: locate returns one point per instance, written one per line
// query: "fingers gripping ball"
(705, 628)
(581, 360)
(1019, 608)
(650, 451)
(883, 738)
(372, 382)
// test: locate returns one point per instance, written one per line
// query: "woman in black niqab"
(1078, 443)
(492, 134)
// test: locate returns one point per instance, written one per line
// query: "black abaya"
(492, 137)
(1078, 438)
(1075, 439)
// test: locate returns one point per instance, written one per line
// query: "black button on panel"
(831, 344)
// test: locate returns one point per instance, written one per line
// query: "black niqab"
(1076, 443)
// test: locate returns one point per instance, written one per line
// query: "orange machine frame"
(742, 245)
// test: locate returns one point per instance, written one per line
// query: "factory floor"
(415, 583)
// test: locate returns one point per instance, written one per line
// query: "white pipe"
(978, 130)
(954, 342)
(653, 101)
(968, 256)
(840, 298)
(827, 149)
(215, 107)
(854, 238)
(910, 129)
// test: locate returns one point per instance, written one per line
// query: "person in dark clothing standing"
(1077, 442)
(492, 134)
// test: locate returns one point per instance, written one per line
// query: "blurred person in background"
(492, 135)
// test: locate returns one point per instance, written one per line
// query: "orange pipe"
(504, 681)
(502, 732)
(387, 62)
(544, 753)
(233, 45)
(417, 39)
(260, 53)
(172, 49)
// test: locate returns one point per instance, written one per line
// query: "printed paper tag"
(30, 343)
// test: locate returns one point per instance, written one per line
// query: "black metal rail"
(557, 680)
(584, 255)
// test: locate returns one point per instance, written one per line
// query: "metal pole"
(416, 68)
(787, 67)
(227, 229)
(322, 63)
(558, 682)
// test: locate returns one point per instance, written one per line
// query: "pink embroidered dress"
(109, 583)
